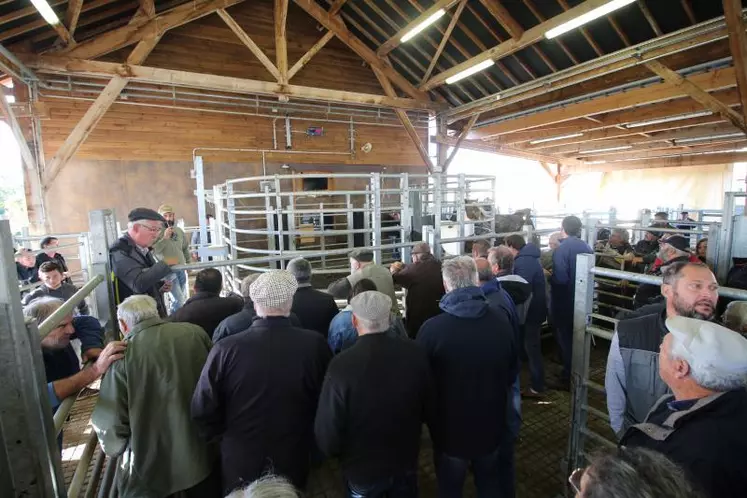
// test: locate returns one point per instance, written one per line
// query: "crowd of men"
(209, 397)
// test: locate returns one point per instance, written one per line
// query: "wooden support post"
(462, 136)
(72, 15)
(94, 114)
(246, 40)
(697, 93)
(738, 46)
(406, 123)
(281, 41)
(301, 63)
(444, 39)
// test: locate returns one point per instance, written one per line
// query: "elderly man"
(473, 358)
(133, 264)
(173, 245)
(424, 284)
(315, 309)
(142, 416)
(381, 389)
(553, 243)
(735, 316)
(54, 285)
(701, 425)
(671, 250)
(62, 367)
(259, 389)
(362, 266)
(206, 307)
(563, 290)
(632, 381)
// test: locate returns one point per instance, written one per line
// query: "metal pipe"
(81, 470)
(600, 332)
(98, 467)
(68, 306)
(64, 246)
(30, 76)
(62, 412)
(655, 229)
(110, 470)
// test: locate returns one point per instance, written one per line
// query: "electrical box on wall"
(315, 131)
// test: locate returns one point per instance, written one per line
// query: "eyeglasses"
(150, 228)
(575, 480)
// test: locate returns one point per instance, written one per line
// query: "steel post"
(437, 189)
(84, 253)
(231, 216)
(405, 216)
(376, 214)
(461, 210)
(725, 237)
(103, 235)
(199, 175)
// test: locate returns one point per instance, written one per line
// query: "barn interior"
(114, 103)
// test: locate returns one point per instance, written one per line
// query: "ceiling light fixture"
(608, 149)
(470, 71)
(586, 18)
(669, 119)
(420, 27)
(710, 137)
(11, 99)
(552, 139)
(46, 12)
(595, 162)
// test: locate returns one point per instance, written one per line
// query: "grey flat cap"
(273, 289)
(371, 305)
(363, 254)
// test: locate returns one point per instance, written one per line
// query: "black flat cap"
(138, 214)
(363, 255)
(678, 242)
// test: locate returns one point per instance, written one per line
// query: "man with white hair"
(61, 364)
(362, 265)
(702, 425)
(376, 397)
(259, 389)
(132, 262)
(314, 308)
(473, 358)
(143, 416)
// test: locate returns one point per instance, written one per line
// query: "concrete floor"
(540, 452)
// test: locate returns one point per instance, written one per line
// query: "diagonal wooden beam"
(281, 41)
(697, 93)
(689, 11)
(337, 26)
(548, 169)
(336, 6)
(94, 113)
(72, 14)
(65, 36)
(406, 123)
(305, 58)
(649, 17)
(585, 32)
(146, 28)
(504, 17)
(149, 8)
(738, 47)
(395, 40)
(460, 140)
(513, 45)
(444, 39)
(533, 8)
(246, 40)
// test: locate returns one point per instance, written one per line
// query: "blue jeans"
(452, 472)
(392, 487)
(177, 292)
(533, 348)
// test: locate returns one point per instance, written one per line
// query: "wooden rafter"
(8, 33)
(72, 14)
(281, 40)
(405, 120)
(618, 30)
(504, 17)
(649, 17)
(66, 65)
(305, 58)
(65, 36)
(148, 7)
(513, 45)
(94, 113)
(654, 152)
(715, 80)
(336, 6)
(689, 11)
(672, 162)
(146, 28)
(395, 40)
(444, 39)
(541, 18)
(462, 136)
(335, 24)
(691, 88)
(585, 32)
(250, 44)
(499, 149)
(738, 47)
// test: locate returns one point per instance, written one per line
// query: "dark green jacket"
(143, 412)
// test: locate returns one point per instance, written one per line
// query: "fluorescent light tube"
(552, 139)
(10, 98)
(595, 162)
(46, 11)
(470, 71)
(711, 137)
(608, 149)
(420, 27)
(588, 17)
(669, 119)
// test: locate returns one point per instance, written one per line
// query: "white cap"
(273, 289)
(709, 345)
(371, 305)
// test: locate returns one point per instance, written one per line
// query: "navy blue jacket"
(473, 359)
(527, 266)
(500, 299)
(563, 280)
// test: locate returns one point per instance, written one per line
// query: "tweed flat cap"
(363, 254)
(139, 214)
(710, 346)
(371, 305)
(273, 289)
(165, 208)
